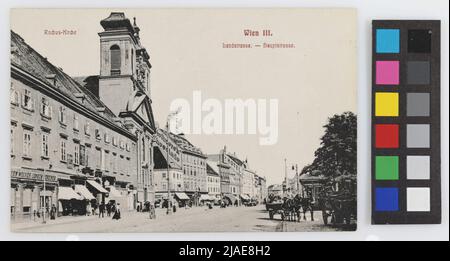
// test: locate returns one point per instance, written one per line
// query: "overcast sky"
(312, 82)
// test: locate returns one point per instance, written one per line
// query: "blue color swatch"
(386, 199)
(388, 40)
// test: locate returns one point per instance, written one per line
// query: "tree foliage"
(337, 152)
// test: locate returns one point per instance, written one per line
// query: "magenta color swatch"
(387, 72)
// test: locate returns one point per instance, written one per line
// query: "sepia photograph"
(183, 120)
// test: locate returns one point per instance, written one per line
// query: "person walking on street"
(53, 212)
(116, 215)
(101, 210)
(108, 209)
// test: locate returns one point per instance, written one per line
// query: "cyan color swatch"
(386, 199)
(388, 40)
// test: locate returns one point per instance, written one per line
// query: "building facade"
(76, 142)
(194, 168)
(171, 178)
(213, 180)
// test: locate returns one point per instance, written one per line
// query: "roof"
(212, 168)
(26, 58)
(235, 159)
(185, 145)
(116, 20)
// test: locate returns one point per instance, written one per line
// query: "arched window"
(115, 60)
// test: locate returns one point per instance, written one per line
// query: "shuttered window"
(115, 60)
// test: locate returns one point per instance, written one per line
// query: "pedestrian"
(93, 207)
(88, 209)
(53, 212)
(152, 212)
(116, 215)
(101, 210)
(108, 209)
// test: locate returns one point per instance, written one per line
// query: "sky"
(312, 81)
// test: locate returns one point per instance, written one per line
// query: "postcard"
(183, 120)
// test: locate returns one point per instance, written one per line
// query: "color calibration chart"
(406, 187)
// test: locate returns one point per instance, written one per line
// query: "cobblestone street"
(199, 219)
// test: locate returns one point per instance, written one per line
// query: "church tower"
(124, 87)
(124, 63)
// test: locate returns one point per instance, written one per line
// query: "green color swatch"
(386, 167)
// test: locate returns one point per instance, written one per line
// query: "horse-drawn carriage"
(289, 208)
(339, 206)
(275, 207)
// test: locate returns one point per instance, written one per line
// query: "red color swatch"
(386, 136)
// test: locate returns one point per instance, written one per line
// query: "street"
(197, 219)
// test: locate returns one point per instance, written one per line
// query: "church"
(77, 142)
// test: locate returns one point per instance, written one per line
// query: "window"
(83, 155)
(98, 135)
(46, 110)
(27, 100)
(14, 96)
(12, 141)
(115, 60)
(100, 159)
(76, 154)
(106, 164)
(142, 149)
(63, 150)
(114, 163)
(75, 122)
(87, 129)
(107, 138)
(44, 149)
(27, 143)
(62, 114)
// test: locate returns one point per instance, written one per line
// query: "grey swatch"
(418, 72)
(418, 104)
(418, 135)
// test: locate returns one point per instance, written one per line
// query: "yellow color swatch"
(386, 104)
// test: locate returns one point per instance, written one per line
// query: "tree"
(337, 152)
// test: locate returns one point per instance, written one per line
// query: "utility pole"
(169, 200)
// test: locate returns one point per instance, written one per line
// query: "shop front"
(31, 195)
(182, 199)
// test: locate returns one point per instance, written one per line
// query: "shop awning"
(97, 186)
(84, 192)
(181, 196)
(245, 197)
(67, 193)
(205, 197)
(231, 197)
(113, 192)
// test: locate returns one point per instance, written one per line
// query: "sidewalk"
(27, 223)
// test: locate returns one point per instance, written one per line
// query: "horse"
(306, 204)
(291, 209)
